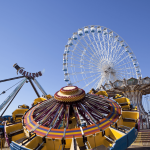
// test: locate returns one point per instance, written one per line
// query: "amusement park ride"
(134, 89)
(26, 77)
(108, 117)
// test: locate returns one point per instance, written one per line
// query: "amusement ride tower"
(134, 89)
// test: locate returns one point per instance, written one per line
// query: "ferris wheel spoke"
(86, 68)
(109, 49)
(107, 46)
(96, 84)
(121, 60)
(119, 76)
(81, 60)
(96, 70)
(114, 47)
(91, 82)
(111, 44)
(85, 65)
(75, 76)
(92, 41)
(76, 54)
(84, 53)
(77, 49)
(90, 48)
(123, 64)
(129, 73)
(102, 47)
(117, 46)
(93, 45)
(126, 68)
(101, 50)
(115, 43)
(126, 73)
(83, 72)
(113, 50)
(101, 81)
(87, 78)
(117, 58)
(87, 49)
(96, 44)
(116, 53)
(113, 78)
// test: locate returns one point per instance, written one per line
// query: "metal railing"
(3, 144)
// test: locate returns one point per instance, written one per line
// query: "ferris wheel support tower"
(133, 89)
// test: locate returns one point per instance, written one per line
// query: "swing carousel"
(60, 117)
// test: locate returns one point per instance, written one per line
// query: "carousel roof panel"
(46, 118)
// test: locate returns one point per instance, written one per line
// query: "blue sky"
(33, 33)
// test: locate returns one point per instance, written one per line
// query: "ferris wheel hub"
(69, 94)
(110, 70)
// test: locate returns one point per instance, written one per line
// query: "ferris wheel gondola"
(95, 55)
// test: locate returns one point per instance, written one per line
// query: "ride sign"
(25, 73)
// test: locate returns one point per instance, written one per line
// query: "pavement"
(137, 147)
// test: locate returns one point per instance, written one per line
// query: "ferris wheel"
(95, 55)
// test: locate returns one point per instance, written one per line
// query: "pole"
(10, 102)
(39, 86)
(12, 94)
(12, 78)
(34, 88)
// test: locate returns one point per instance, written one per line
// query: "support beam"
(10, 102)
(34, 88)
(39, 86)
(12, 94)
(12, 78)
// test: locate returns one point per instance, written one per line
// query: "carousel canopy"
(71, 113)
